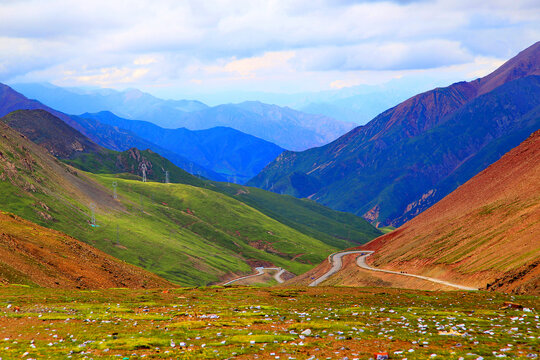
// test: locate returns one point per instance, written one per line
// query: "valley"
(201, 180)
(189, 234)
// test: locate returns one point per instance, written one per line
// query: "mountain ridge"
(223, 150)
(379, 164)
(72, 147)
(116, 138)
(480, 233)
(269, 122)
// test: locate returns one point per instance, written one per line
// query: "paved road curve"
(361, 261)
(337, 263)
(335, 260)
(260, 271)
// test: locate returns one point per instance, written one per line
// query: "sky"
(187, 49)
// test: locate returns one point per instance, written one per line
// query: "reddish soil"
(487, 229)
(34, 255)
(308, 277)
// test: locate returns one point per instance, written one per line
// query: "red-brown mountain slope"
(487, 229)
(34, 255)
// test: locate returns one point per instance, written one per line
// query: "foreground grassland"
(265, 323)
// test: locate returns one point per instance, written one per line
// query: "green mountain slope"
(189, 235)
(37, 256)
(74, 148)
(335, 228)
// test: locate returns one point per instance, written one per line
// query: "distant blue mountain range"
(288, 128)
(228, 154)
(235, 156)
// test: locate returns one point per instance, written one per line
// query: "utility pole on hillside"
(114, 185)
(144, 168)
(93, 216)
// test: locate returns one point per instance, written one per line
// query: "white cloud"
(254, 43)
(250, 67)
(108, 76)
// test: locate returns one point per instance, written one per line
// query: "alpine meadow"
(270, 180)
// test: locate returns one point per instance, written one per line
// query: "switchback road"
(260, 271)
(337, 263)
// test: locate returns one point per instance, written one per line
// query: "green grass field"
(191, 235)
(154, 229)
(387, 229)
(204, 231)
(265, 323)
(335, 228)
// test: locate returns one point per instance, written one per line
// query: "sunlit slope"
(333, 227)
(485, 231)
(37, 256)
(189, 233)
(215, 237)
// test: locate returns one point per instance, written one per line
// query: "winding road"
(335, 260)
(261, 271)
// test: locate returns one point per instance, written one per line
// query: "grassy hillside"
(189, 235)
(74, 148)
(335, 228)
(130, 162)
(36, 256)
(208, 234)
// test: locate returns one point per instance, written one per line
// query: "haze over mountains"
(285, 127)
(235, 156)
(412, 155)
(228, 154)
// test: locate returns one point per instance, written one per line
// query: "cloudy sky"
(174, 48)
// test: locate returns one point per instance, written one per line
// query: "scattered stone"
(512, 305)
